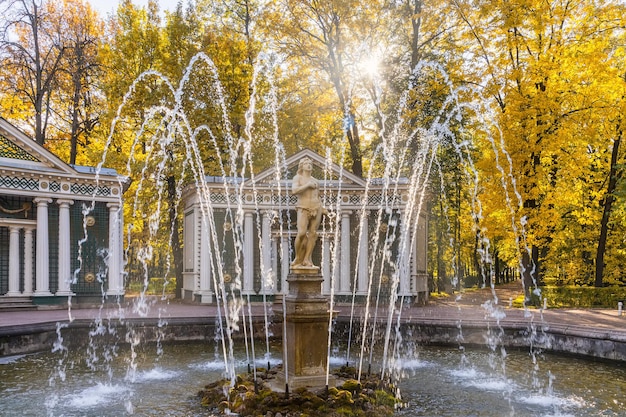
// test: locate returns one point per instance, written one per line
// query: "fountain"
(376, 340)
(307, 319)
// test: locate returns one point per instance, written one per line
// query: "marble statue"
(309, 215)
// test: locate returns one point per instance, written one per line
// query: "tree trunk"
(530, 272)
(442, 276)
(416, 23)
(355, 146)
(530, 261)
(496, 263)
(606, 214)
(75, 117)
(350, 126)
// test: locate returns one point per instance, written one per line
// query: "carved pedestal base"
(305, 339)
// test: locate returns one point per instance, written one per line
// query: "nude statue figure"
(309, 211)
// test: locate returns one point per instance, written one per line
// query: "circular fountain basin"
(441, 381)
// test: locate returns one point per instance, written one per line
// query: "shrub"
(581, 297)
(155, 286)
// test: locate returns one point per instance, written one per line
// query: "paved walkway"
(473, 307)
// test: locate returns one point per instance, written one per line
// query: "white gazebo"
(238, 235)
(60, 226)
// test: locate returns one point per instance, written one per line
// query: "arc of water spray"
(387, 151)
(266, 272)
(280, 162)
(335, 262)
(409, 224)
(382, 135)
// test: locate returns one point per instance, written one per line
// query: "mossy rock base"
(367, 398)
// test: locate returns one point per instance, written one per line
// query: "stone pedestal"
(305, 339)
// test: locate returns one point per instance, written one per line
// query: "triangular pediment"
(18, 150)
(323, 170)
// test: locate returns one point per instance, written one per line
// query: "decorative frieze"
(29, 184)
(329, 199)
(90, 189)
(35, 184)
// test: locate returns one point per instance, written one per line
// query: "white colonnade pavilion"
(240, 232)
(47, 209)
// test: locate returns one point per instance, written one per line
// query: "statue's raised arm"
(309, 211)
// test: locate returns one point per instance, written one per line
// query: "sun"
(370, 64)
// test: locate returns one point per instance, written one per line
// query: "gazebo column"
(421, 258)
(344, 260)
(14, 261)
(65, 260)
(116, 281)
(28, 261)
(284, 264)
(267, 275)
(205, 263)
(326, 265)
(363, 273)
(413, 265)
(43, 251)
(405, 271)
(248, 253)
(274, 259)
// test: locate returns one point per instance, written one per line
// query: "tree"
(545, 68)
(79, 73)
(334, 37)
(32, 52)
(134, 46)
(608, 205)
(239, 17)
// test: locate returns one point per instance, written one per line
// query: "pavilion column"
(344, 261)
(65, 260)
(275, 264)
(407, 272)
(28, 261)
(267, 275)
(362, 268)
(326, 265)
(419, 258)
(285, 263)
(248, 253)
(413, 266)
(205, 264)
(116, 281)
(14, 261)
(42, 251)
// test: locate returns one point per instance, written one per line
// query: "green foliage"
(581, 297)
(155, 287)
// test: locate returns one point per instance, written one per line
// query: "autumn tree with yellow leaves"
(526, 99)
(553, 70)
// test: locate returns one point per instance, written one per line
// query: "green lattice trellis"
(9, 149)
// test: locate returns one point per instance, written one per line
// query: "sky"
(105, 7)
